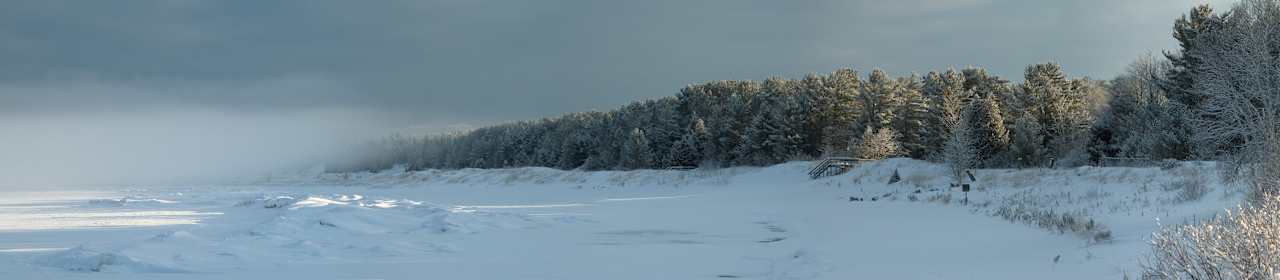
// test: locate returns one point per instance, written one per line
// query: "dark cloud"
(491, 60)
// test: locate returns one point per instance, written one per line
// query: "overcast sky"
(439, 64)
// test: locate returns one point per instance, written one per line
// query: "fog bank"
(177, 137)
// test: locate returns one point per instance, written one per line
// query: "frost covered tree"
(662, 126)
(724, 106)
(1141, 121)
(720, 123)
(879, 99)
(635, 151)
(1059, 106)
(1239, 74)
(912, 117)
(766, 140)
(946, 95)
(838, 107)
(1025, 148)
(981, 84)
(960, 152)
(985, 121)
(706, 149)
(1179, 79)
(725, 123)
(685, 151)
(1073, 147)
(879, 144)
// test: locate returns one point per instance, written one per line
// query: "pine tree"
(606, 136)
(840, 106)
(751, 147)
(663, 128)
(1180, 79)
(985, 121)
(1140, 120)
(1025, 148)
(707, 150)
(1058, 105)
(797, 112)
(770, 138)
(636, 152)
(912, 114)
(734, 117)
(724, 107)
(1175, 133)
(685, 151)
(879, 100)
(979, 84)
(820, 95)
(946, 96)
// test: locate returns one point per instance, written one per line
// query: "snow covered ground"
(536, 223)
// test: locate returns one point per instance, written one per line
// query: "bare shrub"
(1192, 190)
(1060, 222)
(1244, 244)
(1191, 187)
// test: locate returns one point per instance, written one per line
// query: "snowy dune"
(537, 223)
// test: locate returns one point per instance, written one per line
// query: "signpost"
(963, 186)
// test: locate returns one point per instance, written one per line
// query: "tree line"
(1210, 98)
(730, 123)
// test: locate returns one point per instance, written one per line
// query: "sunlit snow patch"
(90, 219)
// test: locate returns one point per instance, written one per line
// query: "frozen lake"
(754, 225)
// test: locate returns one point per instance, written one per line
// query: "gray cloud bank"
(498, 60)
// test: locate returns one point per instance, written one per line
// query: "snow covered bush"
(1244, 244)
(880, 144)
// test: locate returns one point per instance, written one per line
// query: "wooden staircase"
(833, 166)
